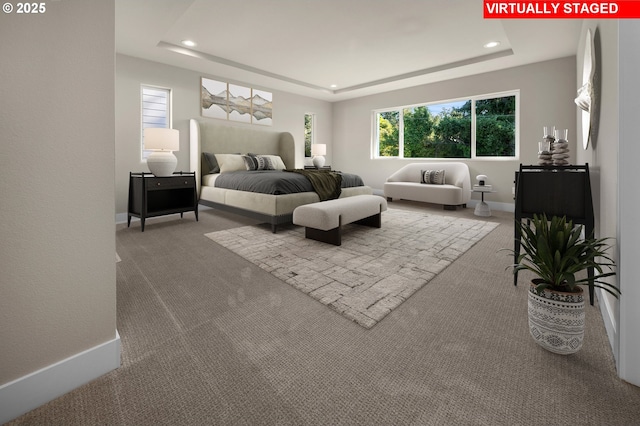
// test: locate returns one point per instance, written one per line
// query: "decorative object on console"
(554, 148)
(163, 142)
(560, 152)
(482, 179)
(544, 147)
(318, 150)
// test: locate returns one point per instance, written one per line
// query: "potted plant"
(555, 253)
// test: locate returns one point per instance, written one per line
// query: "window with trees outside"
(156, 111)
(309, 123)
(478, 127)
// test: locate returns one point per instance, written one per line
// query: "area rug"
(373, 271)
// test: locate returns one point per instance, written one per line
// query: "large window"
(156, 111)
(478, 127)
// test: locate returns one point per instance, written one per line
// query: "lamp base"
(318, 161)
(162, 163)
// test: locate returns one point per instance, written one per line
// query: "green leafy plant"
(554, 251)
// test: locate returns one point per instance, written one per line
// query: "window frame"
(375, 145)
(168, 115)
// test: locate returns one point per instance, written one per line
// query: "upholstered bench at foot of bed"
(323, 221)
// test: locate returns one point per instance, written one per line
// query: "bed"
(233, 142)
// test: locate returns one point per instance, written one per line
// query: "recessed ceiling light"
(492, 44)
(333, 86)
(189, 43)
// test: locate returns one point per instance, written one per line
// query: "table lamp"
(318, 150)
(162, 142)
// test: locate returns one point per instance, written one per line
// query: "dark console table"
(151, 196)
(555, 191)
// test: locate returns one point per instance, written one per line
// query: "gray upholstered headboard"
(209, 136)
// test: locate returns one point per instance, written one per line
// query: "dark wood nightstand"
(315, 168)
(151, 196)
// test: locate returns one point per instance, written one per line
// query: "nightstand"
(151, 196)
(315, 168)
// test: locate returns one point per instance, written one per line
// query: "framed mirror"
(585, 99)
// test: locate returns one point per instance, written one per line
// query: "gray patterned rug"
(373, 271)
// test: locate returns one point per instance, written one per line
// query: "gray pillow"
(211, 162)
(258, 162)
(435, 177)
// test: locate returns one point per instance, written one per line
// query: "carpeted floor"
(373, 271)
(211, 339)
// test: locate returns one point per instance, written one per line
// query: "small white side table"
(482, 208)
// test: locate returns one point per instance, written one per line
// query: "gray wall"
(288, 115)
(628, 233)
(613, 158)
(547, 90)
(58, 282)
(602, 152)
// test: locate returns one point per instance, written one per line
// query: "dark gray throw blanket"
(327, 184)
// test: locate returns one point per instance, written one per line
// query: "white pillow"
(230, 162)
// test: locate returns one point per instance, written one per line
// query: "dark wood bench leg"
(374, 221)
(332, 236)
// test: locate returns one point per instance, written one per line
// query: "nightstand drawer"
(169, 183)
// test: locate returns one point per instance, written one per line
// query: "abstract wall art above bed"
(228, 101)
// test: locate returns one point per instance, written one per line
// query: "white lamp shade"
(318, 149)
(161, 139)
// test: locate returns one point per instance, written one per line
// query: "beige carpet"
(373, 271)
(208, 338)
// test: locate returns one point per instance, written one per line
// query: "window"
(156, 111)
(309, 124)
(479, 127)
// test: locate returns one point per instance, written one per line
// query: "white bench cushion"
(330, 214)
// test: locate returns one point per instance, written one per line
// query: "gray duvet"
(275, 182)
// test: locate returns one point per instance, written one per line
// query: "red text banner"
(561, 9)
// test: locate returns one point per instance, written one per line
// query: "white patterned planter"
(556, 320)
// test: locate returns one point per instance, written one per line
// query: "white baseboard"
(122, 218)
(608, 318)
(35, 389)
